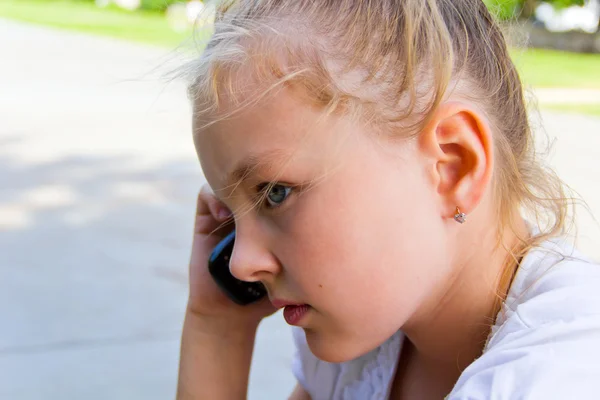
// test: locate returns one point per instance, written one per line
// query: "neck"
(451, 330)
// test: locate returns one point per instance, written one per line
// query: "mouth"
(293, 313)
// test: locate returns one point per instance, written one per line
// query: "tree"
(528, 8)
(509, 9)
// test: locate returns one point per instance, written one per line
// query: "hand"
(213, 222)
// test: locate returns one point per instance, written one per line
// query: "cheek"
(364, 262)
(363, 244)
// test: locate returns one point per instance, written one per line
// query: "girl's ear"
(458, 143)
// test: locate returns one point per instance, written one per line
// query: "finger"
(212, 216)
(208, 225)
(215, 207)
(224, 228)
(204, 195)
(205, 224)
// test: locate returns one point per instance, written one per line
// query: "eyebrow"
(249, 164)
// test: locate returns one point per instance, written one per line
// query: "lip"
(280, 303)
(295, 315)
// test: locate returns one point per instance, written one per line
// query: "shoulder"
(363, 378)
(546, 343)
(555, 283)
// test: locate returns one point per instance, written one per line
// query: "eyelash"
(263, 193)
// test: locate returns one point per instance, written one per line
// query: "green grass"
(538, 68)
(145, 27)
(587, 109)
(549, 68)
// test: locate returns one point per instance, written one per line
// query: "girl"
(379, 167)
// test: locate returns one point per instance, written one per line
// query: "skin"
(366, 236)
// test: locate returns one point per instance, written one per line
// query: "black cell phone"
(240, 292)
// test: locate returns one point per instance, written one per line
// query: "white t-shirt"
(545, 343)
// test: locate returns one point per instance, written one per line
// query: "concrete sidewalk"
(98, 178)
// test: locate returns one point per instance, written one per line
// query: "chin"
(333, 349)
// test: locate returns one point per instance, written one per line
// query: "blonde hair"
(389, 63)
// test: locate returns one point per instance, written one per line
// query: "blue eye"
(276, 195)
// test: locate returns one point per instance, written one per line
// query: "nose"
(251, 259)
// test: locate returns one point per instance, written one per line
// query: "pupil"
(277, 194)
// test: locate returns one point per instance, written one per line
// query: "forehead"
(282, 126)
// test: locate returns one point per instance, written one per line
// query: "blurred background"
(98, 178)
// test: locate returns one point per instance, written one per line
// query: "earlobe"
(458, 141)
